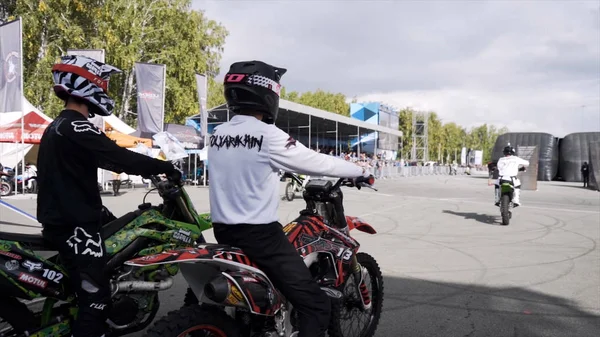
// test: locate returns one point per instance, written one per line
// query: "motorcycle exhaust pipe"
(129, 286)
(223, 291)
(218, 289)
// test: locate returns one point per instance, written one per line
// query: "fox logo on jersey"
(85, 126)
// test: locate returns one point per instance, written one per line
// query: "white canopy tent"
(122, 127)
(12, 153)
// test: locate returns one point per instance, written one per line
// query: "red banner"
(34, 128)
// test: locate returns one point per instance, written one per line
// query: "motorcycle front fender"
(506, 188)
(356, 223)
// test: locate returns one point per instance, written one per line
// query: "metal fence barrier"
(391, 172)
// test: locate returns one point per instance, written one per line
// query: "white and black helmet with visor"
(86, 79)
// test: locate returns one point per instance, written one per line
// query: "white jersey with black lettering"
(244, 157)
(509, 166)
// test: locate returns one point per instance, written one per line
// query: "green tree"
(215, 94)
(453, 141)
(6, 8)
(447, 139)
(435, 136)
(154, 31)
(332, 102)
(405, 125)
(293, 96)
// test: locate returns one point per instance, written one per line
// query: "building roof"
(288, 105)
(321, 114)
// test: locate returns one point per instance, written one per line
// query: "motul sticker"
(24, 277)
(11, 255)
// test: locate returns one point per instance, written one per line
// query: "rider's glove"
(174, 175)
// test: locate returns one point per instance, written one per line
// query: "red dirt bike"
(221, 275)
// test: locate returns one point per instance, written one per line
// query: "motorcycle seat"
(37, 241)
(114, 226)
(30, 241)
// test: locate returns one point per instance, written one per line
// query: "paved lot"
(450, 268)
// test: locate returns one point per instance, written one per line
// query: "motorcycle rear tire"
(289, 191)
(504, 209)
(5, 189)
(187, 318)
(34, 187)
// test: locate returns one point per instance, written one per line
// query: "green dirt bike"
(507, 190)
(26, 275)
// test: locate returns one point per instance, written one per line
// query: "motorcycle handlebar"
(163, 185)
(356, 182)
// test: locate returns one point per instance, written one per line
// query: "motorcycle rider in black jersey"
(246, 155)
(69, 205)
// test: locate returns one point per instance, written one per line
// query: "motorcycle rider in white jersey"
(508, 169)
(246, 154)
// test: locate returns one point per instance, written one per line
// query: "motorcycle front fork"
(359, 274)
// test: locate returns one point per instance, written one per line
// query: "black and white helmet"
(254, 85)
(87, 79)
(508, 150)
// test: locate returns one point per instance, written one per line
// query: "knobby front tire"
(338, 317)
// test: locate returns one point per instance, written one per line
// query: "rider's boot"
(516, 197)
(497, 196)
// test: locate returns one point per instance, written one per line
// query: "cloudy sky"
(530, 66)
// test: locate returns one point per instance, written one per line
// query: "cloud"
(529, 65)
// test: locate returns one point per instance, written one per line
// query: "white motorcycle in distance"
(295, 185)
(5, 181)
(9, 180)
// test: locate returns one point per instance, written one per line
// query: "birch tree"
(153, 31)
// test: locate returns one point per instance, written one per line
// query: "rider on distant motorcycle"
(69, 204)
(30, 172)
(508, 168)
(245, 156)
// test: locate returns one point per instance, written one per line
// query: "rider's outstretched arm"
(287, 154)
(523, 162)
(111, 156)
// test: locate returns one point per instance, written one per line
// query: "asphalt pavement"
(450, 268)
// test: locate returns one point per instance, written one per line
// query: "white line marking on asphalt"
(387, 209)
(466, 200)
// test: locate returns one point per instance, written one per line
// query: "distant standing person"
(585, 172)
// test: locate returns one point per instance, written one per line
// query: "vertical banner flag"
(202, 88)
(11, 67)
(98, 55)
(463, 156)
(150, 81)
